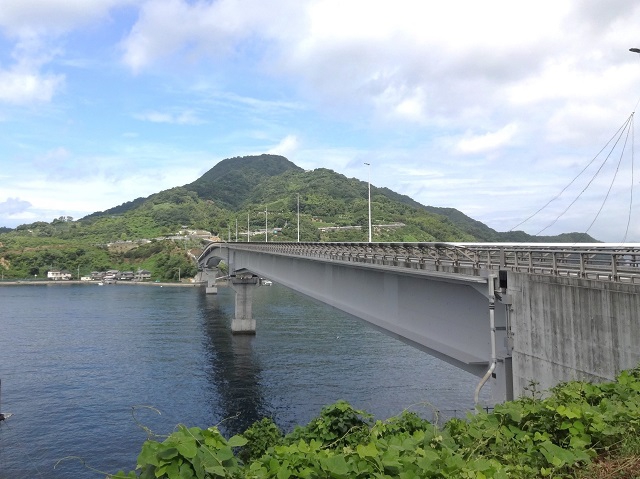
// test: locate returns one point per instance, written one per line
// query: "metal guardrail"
(595, 261)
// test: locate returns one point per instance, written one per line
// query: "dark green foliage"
(339, 424)
(146, 250)
(170, 266)
(28, 257)
(261, 436)
(189, 453)
(251, 184)
(31, 257)
(556, 437)
(408, 422)
(479, 230)
(483, 233)
(232, 179)
(117, 210)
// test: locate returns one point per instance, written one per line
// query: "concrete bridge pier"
(209, 269)
(211, 287)
(243, 322)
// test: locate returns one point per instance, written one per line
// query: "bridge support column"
(502, 389)
(211, 287)
(243, 323)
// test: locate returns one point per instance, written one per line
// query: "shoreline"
(95, 283)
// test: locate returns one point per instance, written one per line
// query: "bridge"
(509, 313)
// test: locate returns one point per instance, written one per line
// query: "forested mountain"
(227, 183)
(232, 179)
(248, 186)
(240, 195)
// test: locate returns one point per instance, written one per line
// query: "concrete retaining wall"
(572, 329)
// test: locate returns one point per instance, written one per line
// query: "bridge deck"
(597, 261)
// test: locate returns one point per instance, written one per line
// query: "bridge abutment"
(243, 322)
(568, 328)
(563, 313)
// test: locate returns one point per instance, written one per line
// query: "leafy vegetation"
(571, 434)
(31, 257)
(270, 187)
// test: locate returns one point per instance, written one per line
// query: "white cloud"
(65, 183)
(422, 62)
(12, 206)
(23, 82)
(197, 29)
(288, 146)
(19, 87)
(186, 117)
(488, 141)
(34, 26)
(20, 17)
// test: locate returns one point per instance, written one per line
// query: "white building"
(56, 275)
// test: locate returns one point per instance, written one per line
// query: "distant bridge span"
(509, 313)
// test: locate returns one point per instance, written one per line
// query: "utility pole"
(266, 226)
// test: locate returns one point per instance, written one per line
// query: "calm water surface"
(79, 362)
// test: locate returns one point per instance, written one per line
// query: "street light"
(298, 217)
(369, 201)
(266, 228)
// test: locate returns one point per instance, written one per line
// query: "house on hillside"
(126, 275)
(194, 233)
(111, 276)
(141, 275)
(57, 275)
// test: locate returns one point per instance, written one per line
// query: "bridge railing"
(596, 262)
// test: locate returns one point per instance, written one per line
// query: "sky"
(497, 108)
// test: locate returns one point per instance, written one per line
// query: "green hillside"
(237, 194)
(232, 179)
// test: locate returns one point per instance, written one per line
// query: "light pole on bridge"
(298, 217)
(369, 165)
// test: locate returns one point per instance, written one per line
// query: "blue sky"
(489, 107)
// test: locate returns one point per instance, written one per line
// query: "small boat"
(265, 282)
(100, 283)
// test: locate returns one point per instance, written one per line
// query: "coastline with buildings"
(46, 282)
